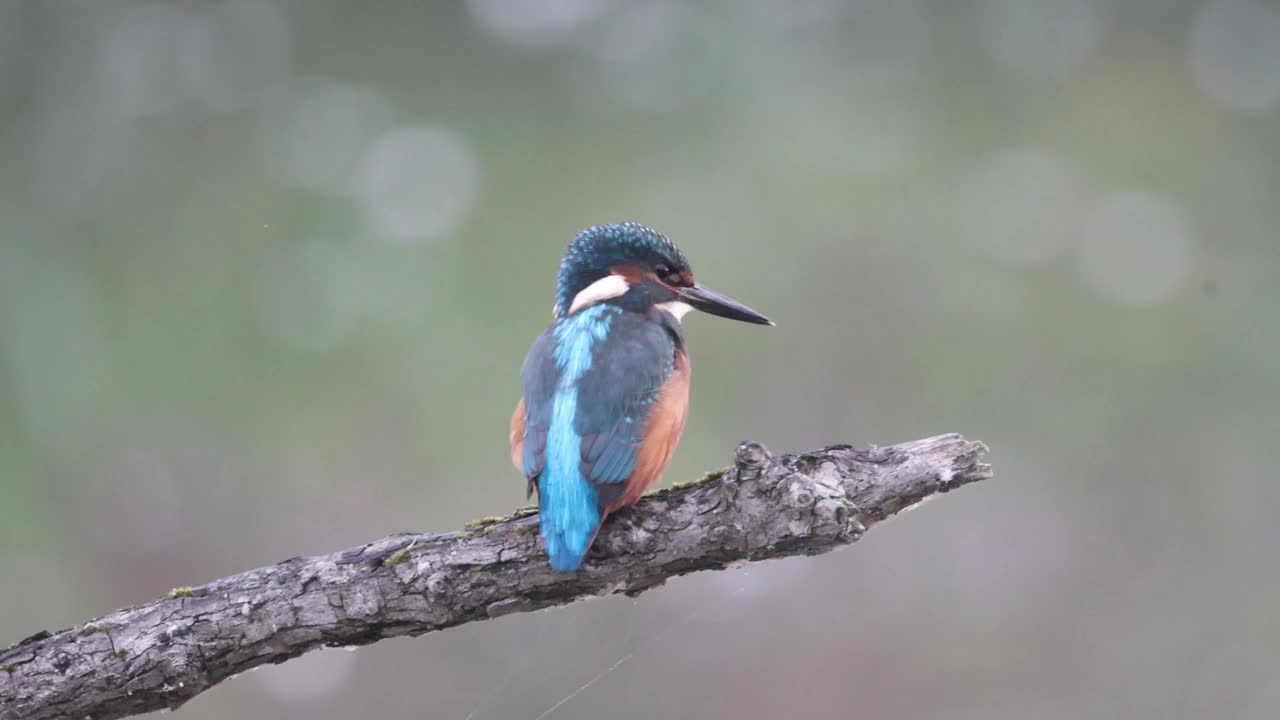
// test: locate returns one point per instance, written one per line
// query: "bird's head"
(636, 268)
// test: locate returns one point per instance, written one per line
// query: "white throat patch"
(677, 308)
(607, 287)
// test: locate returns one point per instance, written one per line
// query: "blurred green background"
(268, 270)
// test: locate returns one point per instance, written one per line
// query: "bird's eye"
(666, 274)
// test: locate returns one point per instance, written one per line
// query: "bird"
(605, 389)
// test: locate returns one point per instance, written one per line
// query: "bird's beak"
(710, 301)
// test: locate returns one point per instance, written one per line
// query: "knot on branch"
(751, 460)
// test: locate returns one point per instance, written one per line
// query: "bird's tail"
(569, 516)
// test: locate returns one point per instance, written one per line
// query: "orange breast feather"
(517, 437)
(662, 433)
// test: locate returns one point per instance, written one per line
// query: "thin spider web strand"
(694, 614)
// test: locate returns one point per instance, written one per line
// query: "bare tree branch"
(163, 653)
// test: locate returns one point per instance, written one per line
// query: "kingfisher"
(605, 389)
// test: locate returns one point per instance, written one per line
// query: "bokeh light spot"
(322, 143)
(418, 182)
(535, 23)
(1235, 54)
(1136, 248)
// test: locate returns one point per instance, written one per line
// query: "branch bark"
(163, 653)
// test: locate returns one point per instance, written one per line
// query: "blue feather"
(567, 501)
(615, 463)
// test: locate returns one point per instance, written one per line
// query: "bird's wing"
(532, 416)
(619, 397)
(660, 435)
